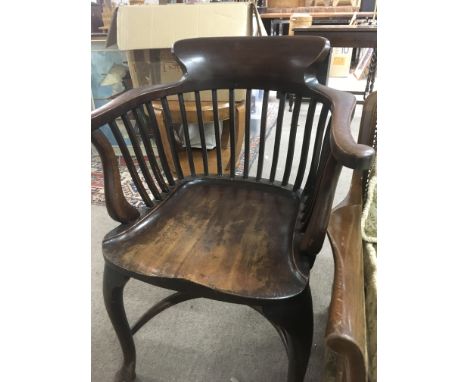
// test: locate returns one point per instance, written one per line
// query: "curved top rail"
(276, 63)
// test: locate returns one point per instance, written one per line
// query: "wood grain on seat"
(225, 235)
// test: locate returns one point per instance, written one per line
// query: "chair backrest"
(313, 153)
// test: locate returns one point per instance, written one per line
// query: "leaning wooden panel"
(346, 330)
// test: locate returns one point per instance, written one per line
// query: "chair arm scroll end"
(117, 206)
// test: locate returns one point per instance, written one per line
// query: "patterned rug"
(128, 187)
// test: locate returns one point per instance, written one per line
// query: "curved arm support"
(343, 146)
(117, 206)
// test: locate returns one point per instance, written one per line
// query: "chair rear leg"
(113, 287)
(294, 318)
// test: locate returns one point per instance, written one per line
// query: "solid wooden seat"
(235, 237)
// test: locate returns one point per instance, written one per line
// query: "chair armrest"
(117, 206)
(130, 99)
(343, 146)
(346, 327)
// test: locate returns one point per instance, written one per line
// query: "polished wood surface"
(346, 331)
(230, 237)
(204, 232)
(346, 328)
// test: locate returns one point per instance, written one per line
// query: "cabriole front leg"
(113, 287)
(295, 321)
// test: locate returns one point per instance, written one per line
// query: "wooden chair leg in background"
(294, 321)
(113, 286)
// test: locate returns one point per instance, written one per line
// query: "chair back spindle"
(261, 153)
(201, 130)
(157, 137)
(214, 102)
(145, 135)
(130, 164)
(232, 135)
(171, 136)
(140, 158)
(305, 144)
(279, 126)
(188, 148)
(292, 140)
(248, 101)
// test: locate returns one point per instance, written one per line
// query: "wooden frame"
(346, 329)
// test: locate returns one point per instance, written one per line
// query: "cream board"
(148, 32)
(159, 26)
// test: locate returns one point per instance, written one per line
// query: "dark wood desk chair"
(243, 239)
(346, 329)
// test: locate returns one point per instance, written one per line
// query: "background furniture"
(278, 24)
(298, 20)
(349, 36)
(320, 17)
(103, 60)
(249, 239)
(346, 330)
(191, 116)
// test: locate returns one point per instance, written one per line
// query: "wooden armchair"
(247, 239)
(346, 329)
